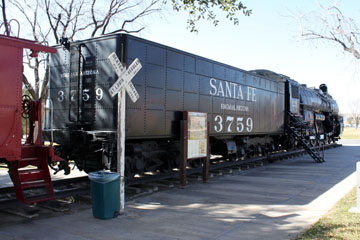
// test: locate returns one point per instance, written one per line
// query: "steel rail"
(80, 185)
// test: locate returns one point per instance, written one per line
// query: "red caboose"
(27, 162)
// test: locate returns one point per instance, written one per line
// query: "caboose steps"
(31, 176)
(35, 184)
(30, 161)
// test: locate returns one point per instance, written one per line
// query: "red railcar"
(27, 162)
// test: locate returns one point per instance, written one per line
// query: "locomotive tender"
(248, 111)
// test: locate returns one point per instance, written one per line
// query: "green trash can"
(104, 194)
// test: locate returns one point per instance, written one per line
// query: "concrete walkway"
(276, 201)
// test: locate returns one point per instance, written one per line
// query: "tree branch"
(28, 87)
(338, 28)
(4, 18)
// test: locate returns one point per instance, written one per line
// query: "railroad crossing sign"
(125, 77)
(123, 83)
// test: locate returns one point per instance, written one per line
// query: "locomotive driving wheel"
(26, 100)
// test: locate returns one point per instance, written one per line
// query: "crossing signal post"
(122, 85)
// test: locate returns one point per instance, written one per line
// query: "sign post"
(119, 87)
(121, 147)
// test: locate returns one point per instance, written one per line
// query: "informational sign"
(197, 135)
(194, 143)
(125, 77)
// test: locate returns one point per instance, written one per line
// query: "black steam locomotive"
(249, 112)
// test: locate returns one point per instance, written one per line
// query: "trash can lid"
(103, 176)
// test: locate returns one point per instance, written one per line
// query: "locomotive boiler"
(248, 111)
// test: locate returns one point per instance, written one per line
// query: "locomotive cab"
(293, 97)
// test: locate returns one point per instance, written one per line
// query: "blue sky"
(268, 39)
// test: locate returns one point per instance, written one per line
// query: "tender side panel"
(172, 81)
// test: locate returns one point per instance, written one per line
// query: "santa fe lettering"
(231, 90)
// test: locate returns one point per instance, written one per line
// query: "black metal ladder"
(315, 155)
(292, 130)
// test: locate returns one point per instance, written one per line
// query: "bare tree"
(354, 106)
(95, 18)
(48, 21)
(330, 24)
(3, 7)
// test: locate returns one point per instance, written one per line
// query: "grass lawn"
(351, 133)
(338, 223)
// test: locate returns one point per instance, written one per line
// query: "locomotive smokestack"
(323, 88)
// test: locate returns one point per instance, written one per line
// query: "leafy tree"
(204, 9)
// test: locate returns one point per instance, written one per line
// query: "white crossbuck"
(125, 77)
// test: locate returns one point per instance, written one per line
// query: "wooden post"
(121, 147)
(183, 153)
(206, 161)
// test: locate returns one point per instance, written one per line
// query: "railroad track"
(79, 188)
